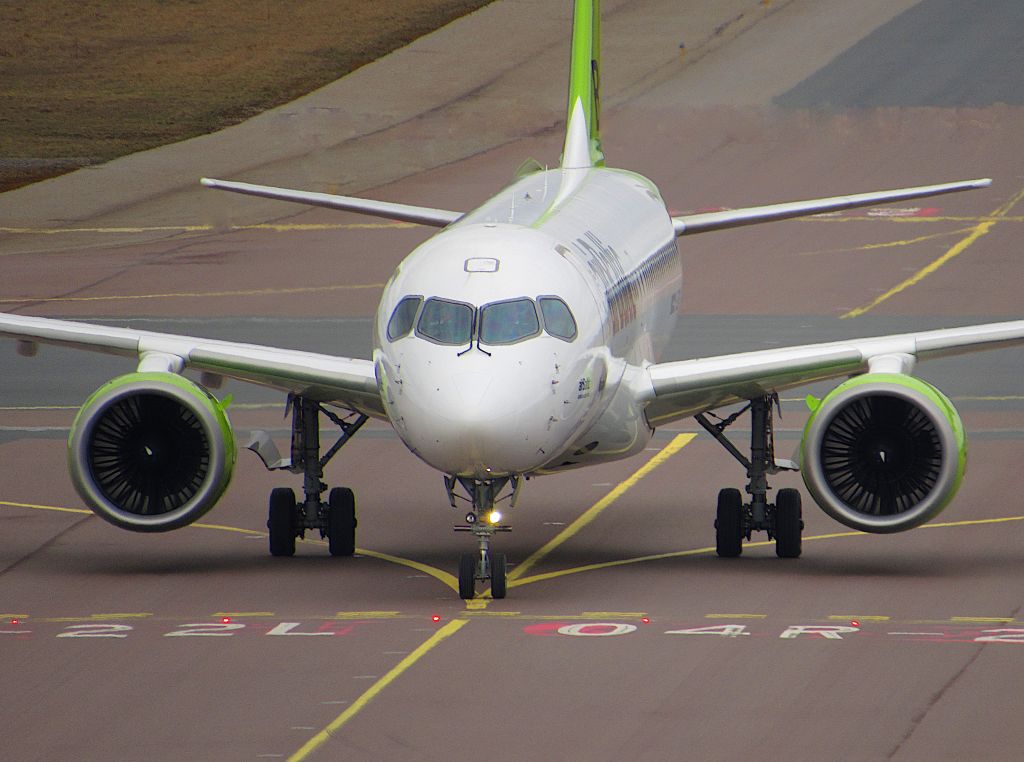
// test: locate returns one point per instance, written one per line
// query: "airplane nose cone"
(481, 422)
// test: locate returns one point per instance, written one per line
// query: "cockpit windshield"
(457, 324)
(403, 317)
(508, 322)
(558, 320)
(446, 322)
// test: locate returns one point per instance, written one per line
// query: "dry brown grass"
(84, 82)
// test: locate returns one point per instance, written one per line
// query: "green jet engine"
(883, 452)
(151, 452)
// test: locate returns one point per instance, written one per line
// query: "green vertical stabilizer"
(585, 79)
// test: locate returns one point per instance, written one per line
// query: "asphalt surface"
(198, 644)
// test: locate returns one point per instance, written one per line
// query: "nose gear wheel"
(482, 566)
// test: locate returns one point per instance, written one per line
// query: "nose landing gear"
(483, 521)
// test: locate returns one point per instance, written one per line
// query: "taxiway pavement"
(197, 643)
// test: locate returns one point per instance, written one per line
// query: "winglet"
(584, 89)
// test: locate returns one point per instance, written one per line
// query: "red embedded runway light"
(15, 621)
(645, 620)
(855, 623)
(225, 620)
(435, 619)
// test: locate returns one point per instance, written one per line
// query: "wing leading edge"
(350, 383)
(704, 222)
(421, 215)
(675, 390)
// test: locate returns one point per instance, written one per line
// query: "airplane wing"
(675, 390)
(350, 383)
(703, 222)
(421, 215)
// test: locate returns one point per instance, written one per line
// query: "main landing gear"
(736, 521)
(335, 519)
(483, 521)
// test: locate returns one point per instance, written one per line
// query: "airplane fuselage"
(501, 343)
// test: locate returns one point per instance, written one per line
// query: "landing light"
(494, 517)
(470, 518)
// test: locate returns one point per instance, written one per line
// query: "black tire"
(341, 522)
(788, 524)
(729, 523)
(281, 522)
(467, 576)
(499, 579)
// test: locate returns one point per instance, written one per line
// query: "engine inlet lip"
(218, 471)
(927, 509)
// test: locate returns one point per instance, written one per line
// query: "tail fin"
(582, 133)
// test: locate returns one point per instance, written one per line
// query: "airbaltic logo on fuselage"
(604, 262)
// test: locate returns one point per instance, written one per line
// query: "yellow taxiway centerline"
(979, 230)
(677, 443)
(360, 703)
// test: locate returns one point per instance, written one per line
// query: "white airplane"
(524, 339)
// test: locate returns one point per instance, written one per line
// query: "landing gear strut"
(736, 521)
(483, 521)
(289, 519)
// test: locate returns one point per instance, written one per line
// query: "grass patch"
(85, 82)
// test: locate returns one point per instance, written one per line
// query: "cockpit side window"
(446, 322)
(508, 322)
(558, 320)
(402, 318)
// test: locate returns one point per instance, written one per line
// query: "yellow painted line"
(858, 617)
(359, 704)
(735, 616)
(764, 543)
(242, 614)
(959, 248)
(441, 576)
(611, 564)
(196, 294)
(677, 443)
(224, 528)
(983, 619)
(275, 227)
(970, 522)
(911, 219)
(612, 614)
(97, 617)
(474, 605)
(888, 244)
(478, 612)
(43, 507)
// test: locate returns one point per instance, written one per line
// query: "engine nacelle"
(151, 452)
(883, 452)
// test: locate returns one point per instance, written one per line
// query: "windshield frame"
(524, 337)
(454, 302)
(418, 298)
